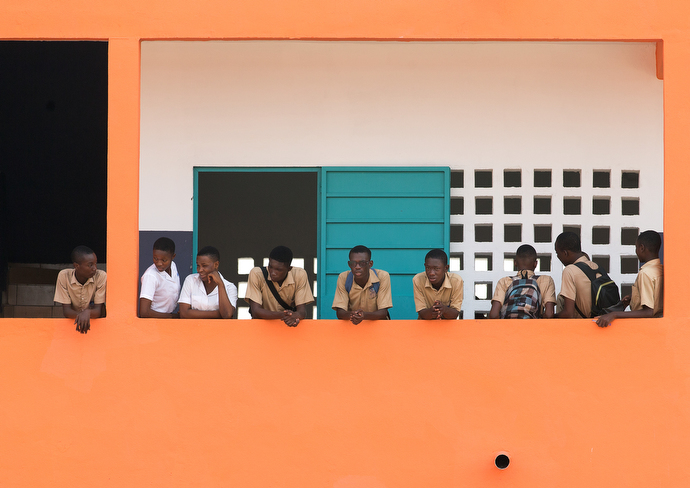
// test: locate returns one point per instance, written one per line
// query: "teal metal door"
(400, 213)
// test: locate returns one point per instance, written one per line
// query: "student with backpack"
(525, 295)
(586, 289)
(363, 293)
(647, 299)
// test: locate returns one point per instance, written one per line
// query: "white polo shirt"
(194, 294)
(161, 288)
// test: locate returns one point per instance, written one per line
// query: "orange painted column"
(124, 70)
(677, 173)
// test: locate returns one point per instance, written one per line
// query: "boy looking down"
(438, 294)
(647, 298)
(279, 291)
(575, 298)
(160, 283)
(81, 289)
(515, 295)
(363, 293)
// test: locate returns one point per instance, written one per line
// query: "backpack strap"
(272, 287)
(524, 275)
(577, 309)
(591, 275)
(375, 286)
(350, 278)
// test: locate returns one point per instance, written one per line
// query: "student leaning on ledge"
(81, 289)
(647, 298)
(206, 294)
(363, 293)
(280, 290)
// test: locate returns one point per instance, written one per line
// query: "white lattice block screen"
(495, 210)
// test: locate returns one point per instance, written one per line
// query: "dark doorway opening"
(245, 214)
(53, 157)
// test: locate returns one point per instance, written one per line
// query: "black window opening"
(53, 177)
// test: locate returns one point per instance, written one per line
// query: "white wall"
(463, 104)
(467, 105)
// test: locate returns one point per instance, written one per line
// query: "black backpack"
(604, 291)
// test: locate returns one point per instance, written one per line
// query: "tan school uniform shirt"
(576, 286)
(366, 298)
(450, 294)
(648, 289)
(544, 282)
(295, 289)
(69, 290)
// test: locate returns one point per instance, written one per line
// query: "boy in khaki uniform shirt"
(437, 293)
(292, 285)
(78, 287)
(363, 301)
(526, 261)
(647, 298)
(576, 289)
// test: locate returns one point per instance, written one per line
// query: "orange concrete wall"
(155, 403)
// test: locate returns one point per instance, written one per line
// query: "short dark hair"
(651, 240)
(79, 252)
(281, 254)
(358, 249)
(526, 252)
(209, 251)
(569, 241)
(164, 244)
(439, 254)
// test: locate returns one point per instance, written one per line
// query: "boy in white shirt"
(160, 283)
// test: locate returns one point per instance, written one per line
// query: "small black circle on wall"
(502, 461)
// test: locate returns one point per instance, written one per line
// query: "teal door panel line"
(400, 213)
(386, 235)
(391, 209)
(378, 181)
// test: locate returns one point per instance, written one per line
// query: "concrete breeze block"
(35, 295)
